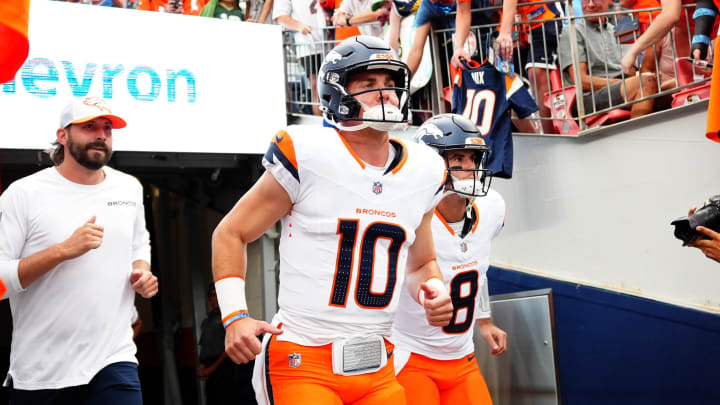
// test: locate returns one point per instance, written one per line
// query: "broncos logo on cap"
(97, 103)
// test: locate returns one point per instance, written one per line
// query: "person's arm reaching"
(463, 19)
(665, 21)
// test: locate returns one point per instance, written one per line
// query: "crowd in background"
(527, 34)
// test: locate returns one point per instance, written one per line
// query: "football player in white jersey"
(436, 365)
(356, 208)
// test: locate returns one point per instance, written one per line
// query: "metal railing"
(432, 98)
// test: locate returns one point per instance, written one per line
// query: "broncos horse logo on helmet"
(447, 132)
(356, 55)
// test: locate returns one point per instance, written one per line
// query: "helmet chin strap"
(379, 113)
(466, 188)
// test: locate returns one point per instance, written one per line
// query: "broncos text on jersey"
(464, 263)
(345, 242)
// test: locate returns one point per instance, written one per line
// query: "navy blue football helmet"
(356, 55)
(448, 132)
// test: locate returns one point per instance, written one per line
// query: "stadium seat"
(688, 72)
(561, 100)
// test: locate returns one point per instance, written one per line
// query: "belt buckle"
(358, 355)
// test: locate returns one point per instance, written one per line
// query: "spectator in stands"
(399, 10)
(599, 57)
(105, 3)
(190, 7)
(436, 12)
(537, 46)
(264, 13)
(359, 12)
(652, 56)
(308, 20)
(224, 9)
(669, 17)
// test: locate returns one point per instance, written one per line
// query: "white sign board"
(183, 83)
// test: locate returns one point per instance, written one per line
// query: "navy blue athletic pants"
(116, 384)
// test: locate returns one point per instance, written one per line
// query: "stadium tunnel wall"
(619, 348)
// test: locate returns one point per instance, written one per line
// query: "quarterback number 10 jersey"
(344, 244)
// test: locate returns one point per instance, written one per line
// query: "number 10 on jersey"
(348, 231)
(475, 101)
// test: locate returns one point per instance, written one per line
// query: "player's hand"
(241, 342)
(505, 45)
(438, 305)
(88, 236)
(494, 336)
(459, 53)
(305, 29)
(144, 282)
(709, 247)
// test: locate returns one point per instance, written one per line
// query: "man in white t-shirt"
(73, 252)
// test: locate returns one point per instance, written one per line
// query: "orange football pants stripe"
(312, 382)
(443, 382)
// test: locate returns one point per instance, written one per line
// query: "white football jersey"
(345, 242)
(464, 263)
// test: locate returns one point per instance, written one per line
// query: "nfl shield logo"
(294, 360)
(377, 187)
(463, 247)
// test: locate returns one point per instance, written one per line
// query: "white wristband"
(231, 299)
(432, 282)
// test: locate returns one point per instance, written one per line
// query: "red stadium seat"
(560, 101)
(688, 72)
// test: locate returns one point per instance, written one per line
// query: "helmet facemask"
(382, 117)
(465, 186)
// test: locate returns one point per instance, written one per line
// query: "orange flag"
(14, 44)
(713, 123)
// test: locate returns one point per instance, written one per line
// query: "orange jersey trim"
(404, 158)
(477, 218)
(3, 289)
(285, 144)
(352, 152)
(440, 217)
(223, 278)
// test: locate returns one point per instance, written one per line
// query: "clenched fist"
(88, 236)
